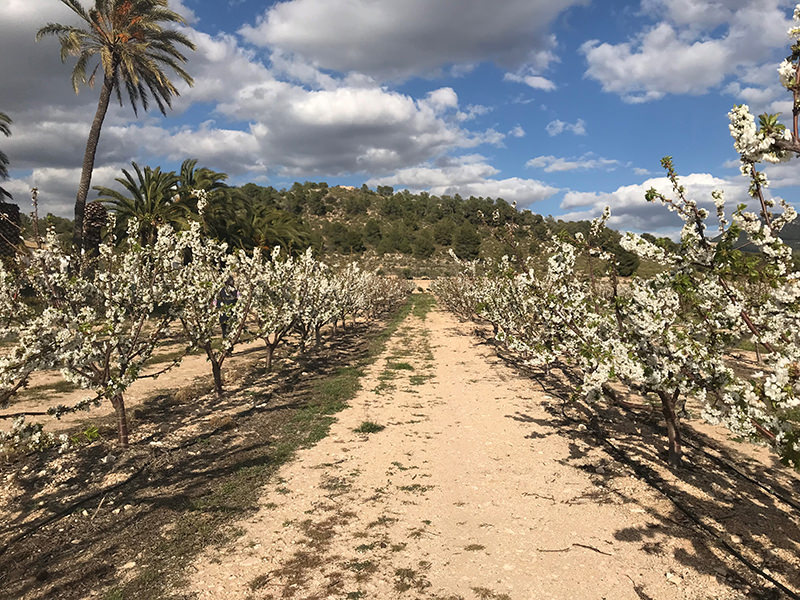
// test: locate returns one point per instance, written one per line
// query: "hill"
(400, 226)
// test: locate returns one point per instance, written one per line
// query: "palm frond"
(132, 46)
(5, 121)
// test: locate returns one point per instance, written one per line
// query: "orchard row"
(99, 320)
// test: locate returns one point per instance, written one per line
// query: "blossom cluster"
(675, 335)
(99, 320)
(671, 336)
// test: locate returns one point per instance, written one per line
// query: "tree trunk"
(216, 369)
(673, 427)
(118, 402)
(88, 159)
(270, 352)
(317, 335)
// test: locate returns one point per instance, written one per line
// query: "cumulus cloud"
(696, 46)
(517, 131)
(57, 188)
(473, 111)
(558, 127)
(556, 164)
(395, 40)
(468, 176)
(285, 117)
(782, 175)
(537, 82)
(631, 212)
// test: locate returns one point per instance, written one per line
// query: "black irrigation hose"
(654, 481)
(24, 414)
(779, 493)
(78, 503)
(69, 510)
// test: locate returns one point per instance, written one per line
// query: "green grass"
(369, 427)
(415, 488)
(648, 269)
(399, 366)
(419, 379)
(42, 392)
(258, 582)
(423, 303)
(474, 547)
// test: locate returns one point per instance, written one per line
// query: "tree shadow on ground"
(737, 515)
(195, 466)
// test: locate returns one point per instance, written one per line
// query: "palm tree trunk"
(88, 159)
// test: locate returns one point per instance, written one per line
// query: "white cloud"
(468, 176)
(558, 127)
(443, 99)
(537, 82)
(350, 129)
(288, 118)
(394, 40)
(782, 175)
(517, 131)
(696, 47)
(472, 111)
(57, 188)
(631, 212)
(555, 164)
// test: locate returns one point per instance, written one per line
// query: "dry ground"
(452, 475)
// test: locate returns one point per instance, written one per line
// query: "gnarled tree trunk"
(675, 449)
(118, 402)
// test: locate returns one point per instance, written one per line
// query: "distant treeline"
(354, 221)
(348, 220)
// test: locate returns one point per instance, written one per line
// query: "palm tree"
(248, 223)
(5, 121)
(271, 227)
(127, 40)
(192, 178)
(151, 200)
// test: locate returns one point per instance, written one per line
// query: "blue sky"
(562, 106)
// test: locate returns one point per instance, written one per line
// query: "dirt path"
(468, 492)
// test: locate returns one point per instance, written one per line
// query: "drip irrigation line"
(69, 509)
(60, 514)
(654, 481)
(779, 493)
(24, 414)
(135, 474)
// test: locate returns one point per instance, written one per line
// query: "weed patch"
(369, 427)
(399, 366)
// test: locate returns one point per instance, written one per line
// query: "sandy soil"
(473, 491)
(192, 368)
